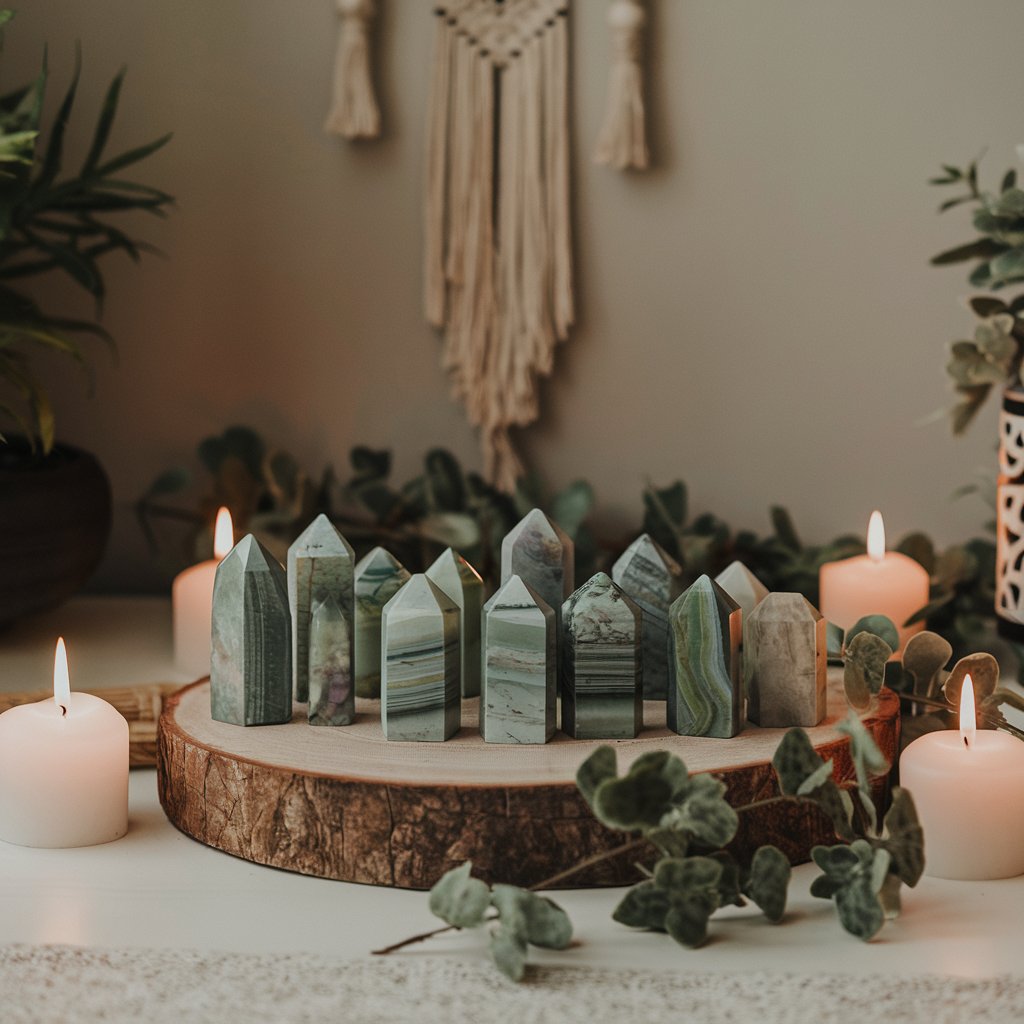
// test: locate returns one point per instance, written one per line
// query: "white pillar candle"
(63, 769)
(192, 603)
(968, 787)
(878, 583)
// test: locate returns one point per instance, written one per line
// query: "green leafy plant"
(689, 824)
(57, 222)
(993, 356)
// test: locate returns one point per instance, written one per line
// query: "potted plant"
(55, 502)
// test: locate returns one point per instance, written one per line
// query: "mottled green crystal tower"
(705, 694)
(541, 553)
(518, 703)
(742, 586)
(250, 664)
(462, 583)
(421, 663)
(378, 577)
(601, 663)
(321, 564)
(332, 698)
(648, 574)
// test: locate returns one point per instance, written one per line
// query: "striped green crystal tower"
(601, 663)
(462, 583)
(321, 565)
(250, 663)
(332, 697)
(518, 701)
(705, 693)
(541, 553)
(378, 577)
(420, 664)
(648, 574)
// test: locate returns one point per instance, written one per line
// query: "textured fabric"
(42, 984)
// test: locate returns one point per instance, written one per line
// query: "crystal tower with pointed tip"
(649, 575)
(378, 577)
(462, 583)
(705, 693)
(601, 663)
(250, 664)
(540, 552)
(785, 662)
(332, 696)
(321, 565)
(518, 701)
(421, 663)
(742, 586)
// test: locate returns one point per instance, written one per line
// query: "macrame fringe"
(354, 113)
(622, 142)
(498, 248)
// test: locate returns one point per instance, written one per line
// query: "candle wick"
(966, 743)
(63, 711)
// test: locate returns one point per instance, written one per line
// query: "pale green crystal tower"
(518, 702)
(705, 694)
(462, 583)
(784, 658)
(378, 577)
(649, 575)
(420, 667)
(332, 698)
(541, 553)
(742, 586)
(320, 565)
(250, 663)
(601, 663)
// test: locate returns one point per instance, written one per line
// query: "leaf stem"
(941, 705)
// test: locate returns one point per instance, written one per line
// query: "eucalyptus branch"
(983, 713)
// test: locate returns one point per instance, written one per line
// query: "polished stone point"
(378, 577)
(320, 565)
(462, 583)
(518, 703)
(421, 663)
(649, 575)
(332, 697)
(541, 553)
(705, 694)
(742, 586)
(250, 664)
(601, 663)
(784, 653)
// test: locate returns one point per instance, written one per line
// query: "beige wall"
(756, 314)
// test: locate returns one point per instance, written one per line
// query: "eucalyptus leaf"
(644, 906)
(459, 899)
(834, 638)
(864, 670)
(508, 951)
(984, 672)
(877, 625)
(903, 837)
(924, 657)
(868, 760)
(598, 767)
(768, 882)
(632, 802)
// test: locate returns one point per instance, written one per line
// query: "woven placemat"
(42, 984)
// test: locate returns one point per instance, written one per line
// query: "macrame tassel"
(622, 142)
(354, 114)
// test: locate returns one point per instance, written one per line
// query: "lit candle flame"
(223, 534)
(876, 537)
(61, 679)
(968, 719)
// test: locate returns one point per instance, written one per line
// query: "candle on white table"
(878, 583)
(63, 769)
(192, 603)
(968, 787)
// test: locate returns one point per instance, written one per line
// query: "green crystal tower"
(378, 577)
(601, 663)
(332, 698)
(250, 664)
(542, 555)
(653, 579)
(705, 695)
(518, 703)
(421, 663)
(320, 565)
(462, 583)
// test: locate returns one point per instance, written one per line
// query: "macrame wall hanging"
(498, 244)
(622, 142)
(354, 112)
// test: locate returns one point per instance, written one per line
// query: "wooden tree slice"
(345, 803)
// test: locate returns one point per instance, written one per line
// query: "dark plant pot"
(55, 517)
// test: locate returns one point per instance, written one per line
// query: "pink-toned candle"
(63, 768)
(878, 583)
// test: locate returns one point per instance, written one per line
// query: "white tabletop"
(158, 888)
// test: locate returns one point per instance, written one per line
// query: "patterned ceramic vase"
(1010, 517)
